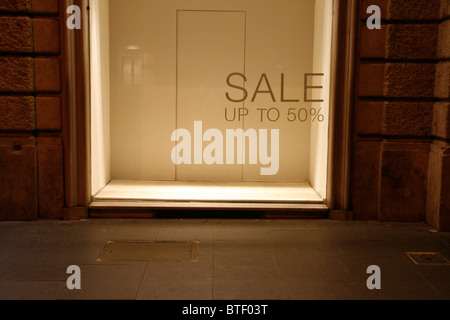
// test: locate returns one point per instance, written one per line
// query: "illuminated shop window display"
(198, 95)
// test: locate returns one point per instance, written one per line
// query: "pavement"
(235, 259)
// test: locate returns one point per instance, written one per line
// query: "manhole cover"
(427, 258)
(175, 251)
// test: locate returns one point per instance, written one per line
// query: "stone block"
(364, 4)
(441, 120)
(371, 79)
(17, 113)
(438, 195)
(51, 177)
(442, 88)
(445, 9)
(48, 75)
(444, 40)
(46, 36)
(369, 116)
(16, 74)
(409, 80)
(444, 216)
(45, 6)
(21, 6)
(16, 34)
(18, 198)
(412, 41)
(408, 119)
(366, 178)
(403, 185)
(414, 10)
(372, 42)
(48, 113)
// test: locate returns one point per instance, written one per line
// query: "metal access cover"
(173, 251)
(427, 258)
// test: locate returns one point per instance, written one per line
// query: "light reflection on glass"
(132, 70)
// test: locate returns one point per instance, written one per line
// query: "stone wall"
(31, 153)
(401, 147)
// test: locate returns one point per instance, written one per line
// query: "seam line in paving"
(411, 264)
(281, 274)
(140, 282)
(213, 261)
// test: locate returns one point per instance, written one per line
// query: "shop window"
(190, 96)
